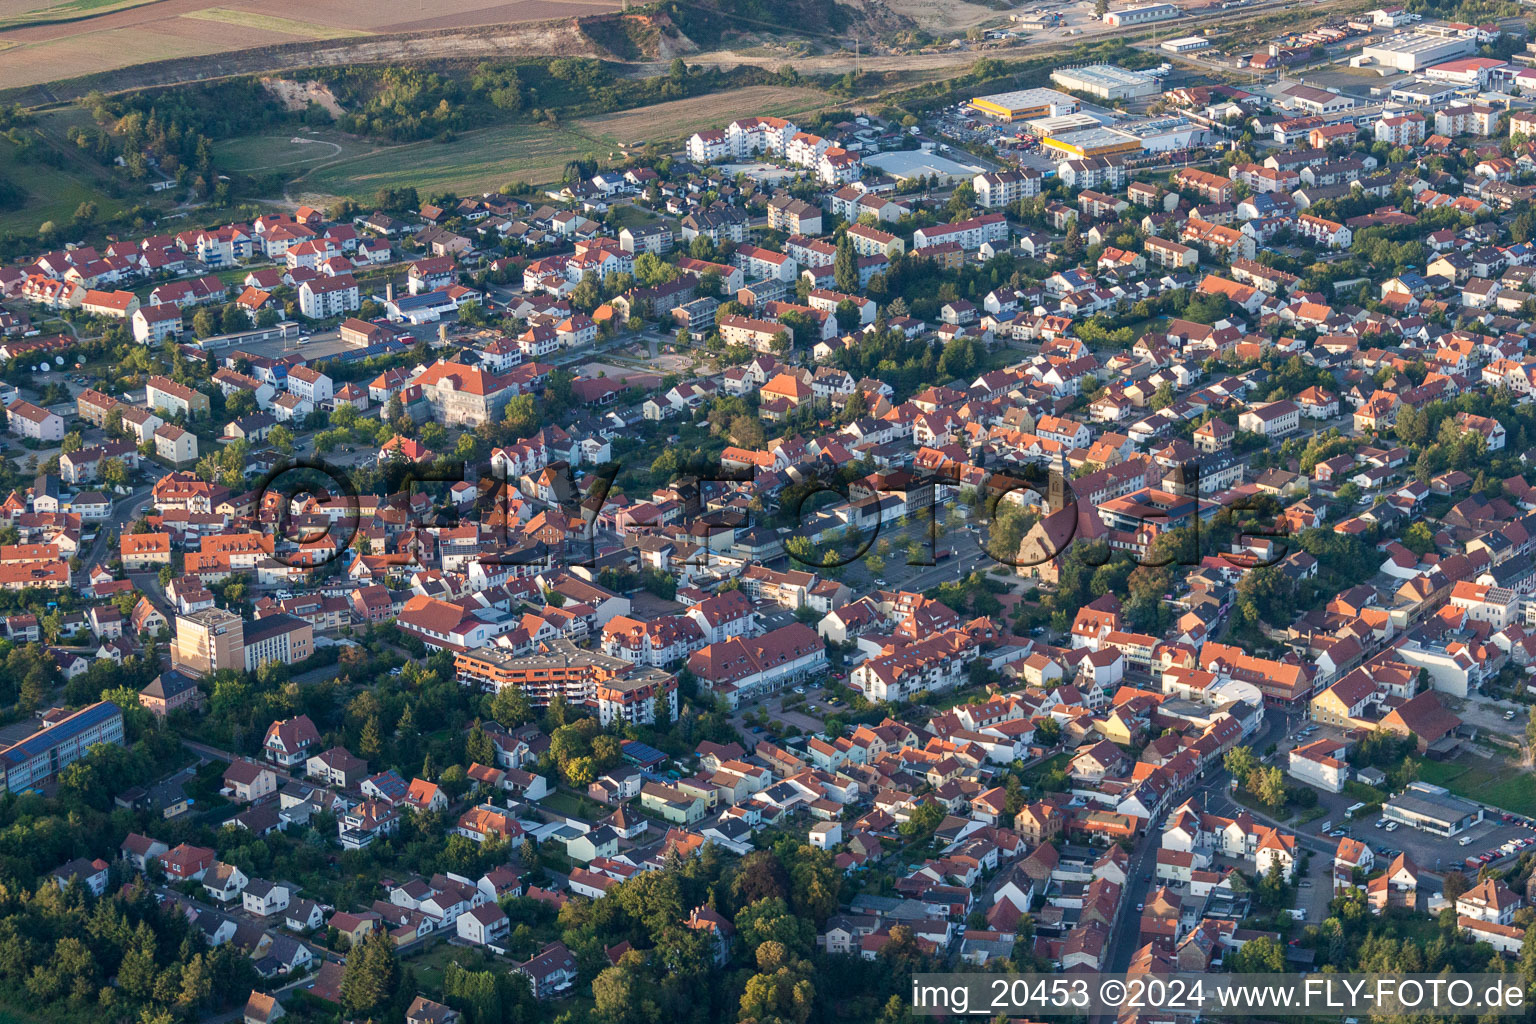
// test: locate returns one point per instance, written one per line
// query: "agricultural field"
(47, 40)
(70, 10)
(482, 160)
(269, 23)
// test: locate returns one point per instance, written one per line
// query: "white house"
(1321, 764)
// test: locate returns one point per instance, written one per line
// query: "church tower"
(1056, 496)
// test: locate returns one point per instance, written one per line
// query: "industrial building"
(1026, 104)
(1164, 134)
(1413, 51)
(1186, 44)
(1043, 126)
(1086, 142)
(1141, 15)
(1107, 81)
(1423, 93)
(1432, 809)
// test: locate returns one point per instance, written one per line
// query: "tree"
(1262, 955)
(478, 746)
(114, 472)
(1272, 891)
(1240, 763)
(622, 996)
(848, 316)
(1268, 784)
(369, 743)
(372, 976)
(580, 771)
(522, 415)
(511, 708)
(1454, 884)
(281, 438)
(785, 995)
(1419, 539)
(845, 266)
(203, 323)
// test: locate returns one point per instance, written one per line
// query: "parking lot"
(1440, 853)
(808, 717)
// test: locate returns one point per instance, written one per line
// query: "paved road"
(124, 511)
(1124, 942)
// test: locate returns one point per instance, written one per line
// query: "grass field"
(270, 23)
(52, 193)
(475, 162)
(574, 805)
(255, 153)
(1491, 782)
(676, 120)
(486, 159)
(632, 217)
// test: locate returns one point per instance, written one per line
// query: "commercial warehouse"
(1413, 51)
(1088, 142)
(1044, 126)
(1026, 104)
(1186, 44)
(1141, 15)
(1432, 809)
(1107, 81)
(1163, 134)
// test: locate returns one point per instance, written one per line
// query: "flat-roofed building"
(29, 762)
(1142, 15)
(1414, 51)
(1026, 104)
(1107, 81)
(286, 639)
(1088, 142)
(1432, 809)
(207, 641)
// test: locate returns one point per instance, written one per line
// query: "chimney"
(389, 291)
